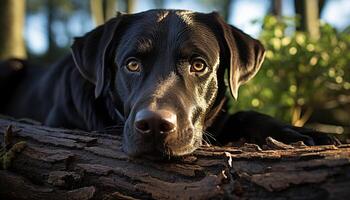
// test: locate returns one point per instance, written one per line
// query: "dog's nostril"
(166, 127)
(143, 126)
(160, 121)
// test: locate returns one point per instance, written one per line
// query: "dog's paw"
(324, 139)
(308, 136)
(255, 127)
(288, 135)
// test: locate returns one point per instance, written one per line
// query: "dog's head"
(165, 69)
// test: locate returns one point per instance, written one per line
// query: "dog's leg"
(255, 127)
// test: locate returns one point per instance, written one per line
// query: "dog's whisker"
(212, 137)
(206, 137)
(205, 140)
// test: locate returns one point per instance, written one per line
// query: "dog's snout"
(160, 121)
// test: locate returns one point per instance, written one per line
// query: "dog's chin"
(183, 150)
(156, 154)
(174, 149)
(159, 153)
(137, 147)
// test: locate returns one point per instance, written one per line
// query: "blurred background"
(305, 79)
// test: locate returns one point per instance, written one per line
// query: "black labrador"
(160, 74)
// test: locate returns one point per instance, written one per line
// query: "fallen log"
(71, 164)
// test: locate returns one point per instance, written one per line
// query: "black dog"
(160, 73)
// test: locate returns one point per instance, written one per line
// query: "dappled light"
(300, 75)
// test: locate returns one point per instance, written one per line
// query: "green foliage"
(298, 72)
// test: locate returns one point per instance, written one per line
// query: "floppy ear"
(245, 55)
(90, 52)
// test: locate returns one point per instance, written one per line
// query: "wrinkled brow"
(144, 45)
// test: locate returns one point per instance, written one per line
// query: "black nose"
(160, 121)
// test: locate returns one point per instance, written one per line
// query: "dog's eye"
(198, 65)
(133, 65)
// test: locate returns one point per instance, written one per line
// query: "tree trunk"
(102, 10)
(308, 10)
(71, 164)
(276, 8)
(52, 50)
(159, 3)
(97, 14)
(12, 15)
(130, 6)
(110, 9)
(226, 9)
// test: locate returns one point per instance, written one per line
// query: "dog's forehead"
(171, 24)
(185, 16)
(164, 16)
(168, 32)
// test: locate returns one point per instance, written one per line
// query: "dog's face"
(164, 69)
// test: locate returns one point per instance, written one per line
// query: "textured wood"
(72, 164)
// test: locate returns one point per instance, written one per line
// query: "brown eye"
(198, 65)
(133, 65)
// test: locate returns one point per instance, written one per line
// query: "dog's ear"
(244, 54)
(91, 50)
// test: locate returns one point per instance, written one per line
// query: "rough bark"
(71, 164)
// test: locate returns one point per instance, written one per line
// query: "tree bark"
(276, 8)
(110, 9)
(71, 164)
(308, 10)
(12, 15)
(226, 6)
(102, 10)
(130, 6)
(96, 9)
(52, 48)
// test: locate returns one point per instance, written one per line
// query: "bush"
(299, 74)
